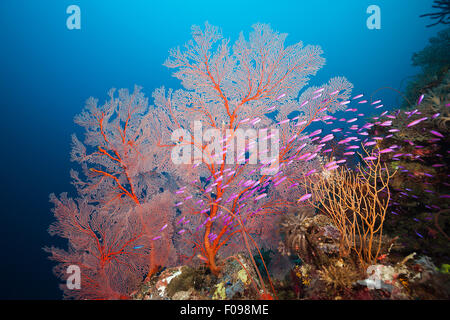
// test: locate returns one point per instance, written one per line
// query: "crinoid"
(438, 100)
(295, 228)
(339, 275)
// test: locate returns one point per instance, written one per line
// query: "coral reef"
(345, 222)
(182, 283)
(309, 235)
(419, 204)
(434, 61)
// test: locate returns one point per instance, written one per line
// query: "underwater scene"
(242, 150)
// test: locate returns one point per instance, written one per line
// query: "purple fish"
(416, 121)
(311, 157)
(315, 133)
(435, 115)
(420, 99)
(328, 137)
(437, 133)
(318, 90)
(260, 196)
(305, 197)
(280, 181)
(280, 96)
(329, 164)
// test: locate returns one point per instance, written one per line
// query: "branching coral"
(356, 202)
(442, 16)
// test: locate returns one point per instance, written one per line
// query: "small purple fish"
(420, 99)
(280, 181)
(319, 131)
(311, 157)
(435, 115)
(260, 196)
(280, 96)
(438, 134)
(329, 164)
(328, 137)
(416, 122)
(318, 90)
(305, 197)
(386, 123)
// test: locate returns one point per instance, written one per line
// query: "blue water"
(48, 71)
